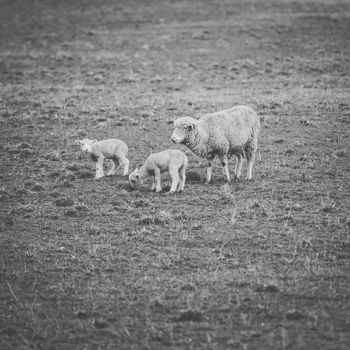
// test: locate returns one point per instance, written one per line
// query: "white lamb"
(225, 133)
(173, 161)
(113, 149)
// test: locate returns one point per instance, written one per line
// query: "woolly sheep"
(225, 133)
(113, 149)
(173, 161)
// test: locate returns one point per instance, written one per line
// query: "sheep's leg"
(250, 160)
(99, 168)
(174, 180)
(250, 151)
(157, 179)
(113, 169)
(224, 161)
(238, 168)
(209, 171)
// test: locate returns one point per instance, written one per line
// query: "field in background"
(88, 264)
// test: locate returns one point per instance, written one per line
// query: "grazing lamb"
(225, 133)
(173, 161)
(113, 149)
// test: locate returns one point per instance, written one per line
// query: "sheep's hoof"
(236, 178)
(170, 192)
(110, 174)
(157, 191)
(98, 177)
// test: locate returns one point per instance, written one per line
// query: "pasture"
(92, 264)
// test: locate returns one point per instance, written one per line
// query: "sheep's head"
(183, 128)
(135, 178)
(85, 144)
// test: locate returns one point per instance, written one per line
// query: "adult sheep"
(233, 131)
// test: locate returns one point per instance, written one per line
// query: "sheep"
(173, 161)
(225, 133)
(113, 149)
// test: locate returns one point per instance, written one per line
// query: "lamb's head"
(85, 144)
(135, 178)
(184, 127)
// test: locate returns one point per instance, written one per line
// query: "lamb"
(113, 149)
(173, 161)
(225, 133)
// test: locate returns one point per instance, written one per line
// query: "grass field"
(91, 264)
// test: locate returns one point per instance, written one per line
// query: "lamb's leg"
(174, 180)
(224, 161)
(125, 163)
(153, 185)
(157, 179)
(238, 168)
(113, 169)
(182, 174)
(209, 171)
(99, 168)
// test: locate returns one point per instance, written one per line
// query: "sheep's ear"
(93, 141)
(78, 142)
